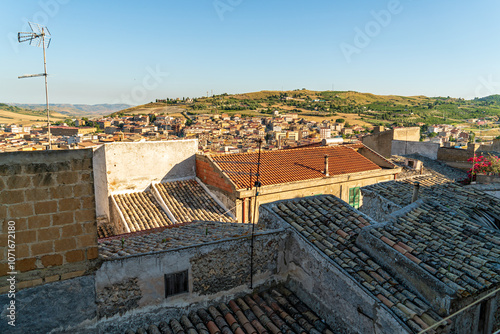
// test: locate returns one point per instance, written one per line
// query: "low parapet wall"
(426, 149)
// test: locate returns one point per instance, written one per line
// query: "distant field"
(485, 133)
(352, 119)
(22, 119)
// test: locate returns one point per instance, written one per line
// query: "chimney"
(326, 166)
(416, 187)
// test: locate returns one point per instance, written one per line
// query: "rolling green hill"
(363, 108)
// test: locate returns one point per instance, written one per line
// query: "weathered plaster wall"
(382, 142)
(496, 311)
(377, 207)
(470, 322)
(426, 149)
(101, 182)
(59, 307)
(134, 166)
(216, 270)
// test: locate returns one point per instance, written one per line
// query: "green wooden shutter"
(354, 197)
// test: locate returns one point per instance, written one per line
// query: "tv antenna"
(40, 37)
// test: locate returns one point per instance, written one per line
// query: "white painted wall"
(122, 167)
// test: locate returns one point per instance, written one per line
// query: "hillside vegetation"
(360, 108)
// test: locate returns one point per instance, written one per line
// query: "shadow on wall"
(181, 170)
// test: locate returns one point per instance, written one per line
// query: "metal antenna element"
(40, 37)
(257, 188)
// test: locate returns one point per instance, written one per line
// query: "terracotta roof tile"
(451, 235)
(285, 166)
(448, 245)
(319, 219)
(104, 228)
(141, 211)
(276, 311)
(188, 201)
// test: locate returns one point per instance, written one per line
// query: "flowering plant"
(489, 165)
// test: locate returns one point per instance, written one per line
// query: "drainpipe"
(326, 166)
(416, 187)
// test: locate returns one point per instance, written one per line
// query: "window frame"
(176, 283)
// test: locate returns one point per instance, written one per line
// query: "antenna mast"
(40, 37)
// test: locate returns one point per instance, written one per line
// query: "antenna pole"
(46, 88)
(257, 187)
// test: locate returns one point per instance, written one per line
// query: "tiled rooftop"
(400, 192)
(105, 230)
(275, 311)
(188, 201)
(466, 204)
(333, 226)
(461, 254)
(141, 211)
(300, 164)
(176, 236)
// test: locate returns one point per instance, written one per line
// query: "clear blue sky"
(105, 51)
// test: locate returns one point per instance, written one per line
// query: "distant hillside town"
(217, 133)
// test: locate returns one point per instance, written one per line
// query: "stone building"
(338, 170)
(311, 264)
(68, 130)
(382, 142)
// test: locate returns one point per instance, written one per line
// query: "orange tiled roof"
(285, 166)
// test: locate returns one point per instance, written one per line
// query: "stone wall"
(48, 198)
(454, 154)
(494, 147)
(119, 298)
(228, 272)
(426, 149)
(216, 270)
(377, 207)
(380, 142)
(317, 280)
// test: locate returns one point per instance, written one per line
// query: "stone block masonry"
(50, 198)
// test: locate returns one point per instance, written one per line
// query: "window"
(176, 283)
(484, 325)
(354, 197)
